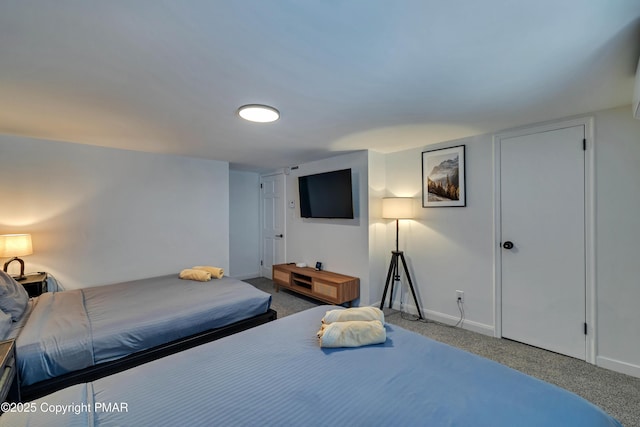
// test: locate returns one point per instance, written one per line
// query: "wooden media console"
(326, 286)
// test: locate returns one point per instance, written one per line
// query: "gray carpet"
(616, 393)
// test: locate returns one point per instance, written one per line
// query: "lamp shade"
(15, 245)
(397, 207)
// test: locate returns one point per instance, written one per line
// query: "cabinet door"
(325, 289)
(282, 277)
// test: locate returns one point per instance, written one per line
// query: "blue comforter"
(277, 375)
(71, 330)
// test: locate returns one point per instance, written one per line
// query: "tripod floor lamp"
(398, 208)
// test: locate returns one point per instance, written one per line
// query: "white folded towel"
(355, 313)
(355, 333)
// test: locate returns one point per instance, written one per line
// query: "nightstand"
(35, 283)
(9, 387)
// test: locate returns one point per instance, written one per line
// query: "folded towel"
(216, 272)
(354, 333)
(355, 313)
(199, 275)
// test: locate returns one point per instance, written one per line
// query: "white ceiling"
(168, 76)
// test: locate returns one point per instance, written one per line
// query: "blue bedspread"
(71, 330)
(276, 374)
(56, 338)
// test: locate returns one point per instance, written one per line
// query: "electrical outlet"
(460, 296)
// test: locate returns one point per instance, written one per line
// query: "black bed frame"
(100, 370)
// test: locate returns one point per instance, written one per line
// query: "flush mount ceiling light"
(258, 113)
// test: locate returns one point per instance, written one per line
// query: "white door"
(273, 203)
(542, 197)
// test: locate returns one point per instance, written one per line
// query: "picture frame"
(443, 177)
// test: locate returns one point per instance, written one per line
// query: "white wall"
(100, 215)
(379, 249)
(340, 244)
(617, 164)
(448, 248)
(244, 224)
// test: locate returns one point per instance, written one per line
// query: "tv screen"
(326, 195)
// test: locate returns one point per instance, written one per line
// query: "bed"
(277, 374)
(74, 336)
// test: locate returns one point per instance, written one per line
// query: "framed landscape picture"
(443, 178)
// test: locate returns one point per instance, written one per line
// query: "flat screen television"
(326, 195)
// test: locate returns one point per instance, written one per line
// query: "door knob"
(279, 235)
(507, 245)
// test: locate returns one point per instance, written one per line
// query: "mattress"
(276, 374)
(70, 330)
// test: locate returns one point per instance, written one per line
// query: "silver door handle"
(280, 235)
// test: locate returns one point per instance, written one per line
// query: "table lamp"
(13, 246)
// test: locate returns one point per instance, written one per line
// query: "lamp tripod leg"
(413, 292)
(393, 265)
(394, 279)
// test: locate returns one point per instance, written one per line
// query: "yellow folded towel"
(191, 274)
(216, 272)
(355, 313)
(355, 333)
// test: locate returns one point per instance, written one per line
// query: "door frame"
(284, 213)
(589, 223)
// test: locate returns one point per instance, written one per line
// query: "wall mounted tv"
(326, 195)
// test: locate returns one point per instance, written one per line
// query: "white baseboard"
(447, 319)
(618, 366)
(469, 325)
